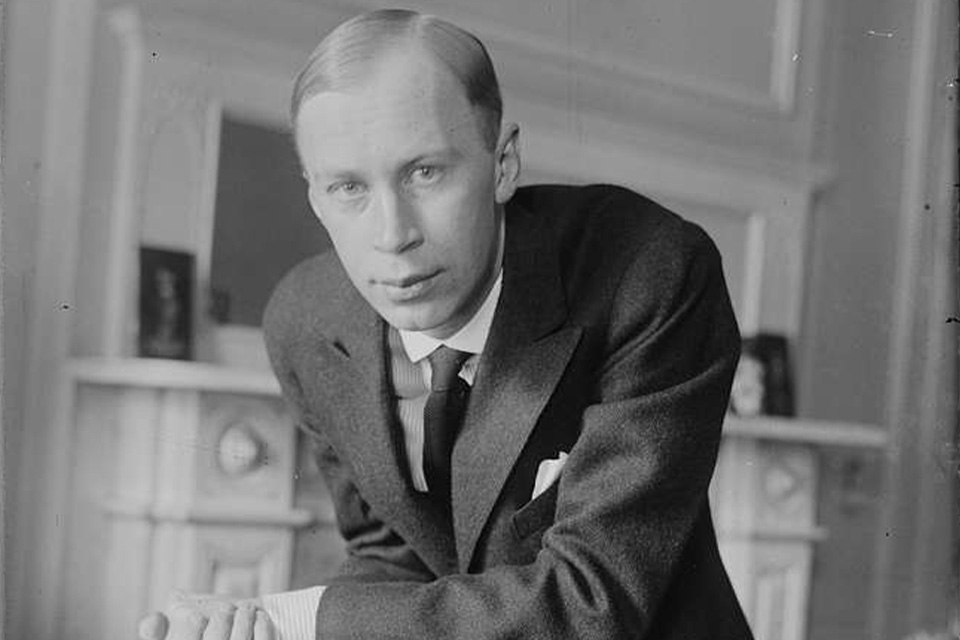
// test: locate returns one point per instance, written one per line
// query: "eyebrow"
(447, 154)
(335, 175)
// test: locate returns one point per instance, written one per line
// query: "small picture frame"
(166, 304)
(763, 384)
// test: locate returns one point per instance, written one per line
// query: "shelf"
(804, 431)
(224, 515)
(171, 374)
(773, 534)
(177, 374)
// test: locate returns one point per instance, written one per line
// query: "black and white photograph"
(166, 304)
(763, 379)
(500, 320)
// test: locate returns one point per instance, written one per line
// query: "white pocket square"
(547, 474)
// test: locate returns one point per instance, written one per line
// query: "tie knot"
(445, 365)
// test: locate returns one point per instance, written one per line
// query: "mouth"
(407, 287)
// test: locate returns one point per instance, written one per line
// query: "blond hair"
(343, 59)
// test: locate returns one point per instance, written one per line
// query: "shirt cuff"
(294, 613)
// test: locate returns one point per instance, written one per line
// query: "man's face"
(410, 194)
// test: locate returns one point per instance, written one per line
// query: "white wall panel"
(707, 45)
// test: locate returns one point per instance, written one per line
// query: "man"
(516, 393)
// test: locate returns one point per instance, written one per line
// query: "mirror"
(263, 223)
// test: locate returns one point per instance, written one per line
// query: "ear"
(508, 162)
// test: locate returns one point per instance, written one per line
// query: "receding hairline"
(347, 58)
(410, 73)
(364, 73)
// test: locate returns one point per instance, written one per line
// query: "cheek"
(349, 244)
(462, 238)
(467, 219)
(354, 258)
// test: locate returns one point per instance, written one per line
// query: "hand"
(206, 617)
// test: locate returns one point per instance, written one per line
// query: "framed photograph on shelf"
(166, 304)
(763, 383)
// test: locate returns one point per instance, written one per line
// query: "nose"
(396, 224)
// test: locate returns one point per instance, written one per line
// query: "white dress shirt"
(294, 612)
(471, 338)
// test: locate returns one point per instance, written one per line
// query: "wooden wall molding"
(150, 505)
(764, 495)
(144, 511)
(40, 501)
(178, 76)
(191, 72)
(534, 67)
(616, 70)
(914, 537)
(116, 325)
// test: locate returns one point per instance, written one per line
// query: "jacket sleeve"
(374, 552)
(631, 493)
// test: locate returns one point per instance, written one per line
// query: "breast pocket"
(536, 516)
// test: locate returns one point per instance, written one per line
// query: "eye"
(425, 174)
(346, 190)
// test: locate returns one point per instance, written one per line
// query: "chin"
(409, 319)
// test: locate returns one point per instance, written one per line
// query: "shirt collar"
(471, 338)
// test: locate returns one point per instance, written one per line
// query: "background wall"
(25, 43)
(850, 120)
(844, 348)
(866, 335)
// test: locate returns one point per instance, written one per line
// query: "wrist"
(255, 602)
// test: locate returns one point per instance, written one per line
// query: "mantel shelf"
(171, 374)
(806, 431)
(201, 376)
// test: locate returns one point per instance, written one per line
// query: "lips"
(408, 287)
(407, 281)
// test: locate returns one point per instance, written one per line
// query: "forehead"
(408, 105)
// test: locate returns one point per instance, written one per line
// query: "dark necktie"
(442, 415)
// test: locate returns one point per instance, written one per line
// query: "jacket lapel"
(525, 357)
(358, 387)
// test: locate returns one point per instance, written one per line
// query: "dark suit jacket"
(613, 340)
